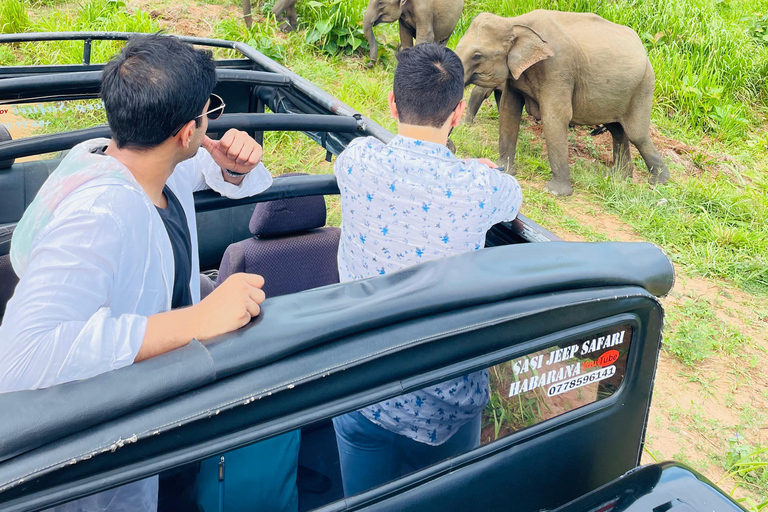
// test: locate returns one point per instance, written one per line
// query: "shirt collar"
(421, 147)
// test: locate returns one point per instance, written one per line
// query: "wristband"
(235, 174)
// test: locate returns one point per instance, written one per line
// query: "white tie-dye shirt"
(404, 203)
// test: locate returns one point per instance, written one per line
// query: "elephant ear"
(527, 49)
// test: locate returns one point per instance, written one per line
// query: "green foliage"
(74, 115)
(335, 26)
(758, 27)
(13, 17)
(92, 15)
(262, 36)
(7, 57)
(696, 333)
(509, 414)
(749, 465)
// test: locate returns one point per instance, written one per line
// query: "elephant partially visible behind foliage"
(285, 13)
(426, 21)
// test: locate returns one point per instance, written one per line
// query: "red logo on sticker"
(609, 357)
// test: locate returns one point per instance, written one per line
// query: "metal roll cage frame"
(297, 105)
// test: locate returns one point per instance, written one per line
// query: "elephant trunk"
(368, 20)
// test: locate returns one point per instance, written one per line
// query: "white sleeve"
(57, 328)
(202, 172)
(506, 196)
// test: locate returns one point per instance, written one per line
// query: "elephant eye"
(477, 56)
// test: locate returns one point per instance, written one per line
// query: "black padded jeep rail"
(324, 351)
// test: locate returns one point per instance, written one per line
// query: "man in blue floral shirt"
(403, 203)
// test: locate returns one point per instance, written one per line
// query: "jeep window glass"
(547, 383)
(42, 117)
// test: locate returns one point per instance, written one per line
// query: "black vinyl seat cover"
(296, 322)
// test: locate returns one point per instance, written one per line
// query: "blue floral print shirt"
(404, 203)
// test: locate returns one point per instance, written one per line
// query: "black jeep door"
(570, 334)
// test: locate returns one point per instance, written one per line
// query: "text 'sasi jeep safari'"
(571, 333)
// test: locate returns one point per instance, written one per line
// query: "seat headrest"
(287, 216)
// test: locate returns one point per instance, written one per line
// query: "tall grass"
(711, 67)
(13, 17)
(713, 227)
(91, 15)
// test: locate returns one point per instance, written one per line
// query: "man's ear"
(187, 133)
(392, 105)
(458, 113)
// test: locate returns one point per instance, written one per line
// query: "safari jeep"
(571, 333)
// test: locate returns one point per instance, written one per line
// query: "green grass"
(748, 464)
(75, 115)
(694, 332)
(13, 17)
(713, 225)
(91, 15)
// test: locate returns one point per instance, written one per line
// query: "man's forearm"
(168, 331)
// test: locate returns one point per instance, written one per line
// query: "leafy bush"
(336, 26)
(261, 36)
(758, 27)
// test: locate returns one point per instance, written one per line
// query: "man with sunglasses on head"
(107, 252)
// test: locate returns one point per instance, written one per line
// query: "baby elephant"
(569, 68)
(426, 21)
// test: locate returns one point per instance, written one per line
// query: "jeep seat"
(290, 247)
(8, 282)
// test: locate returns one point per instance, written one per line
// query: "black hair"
(429, 84)
(153, 87)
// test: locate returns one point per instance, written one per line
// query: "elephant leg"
(652, 158)
(622, 160)
(278, 10)
(476, 99)
(510, 113)
(555, 118)
(406, 35)
(497, 97)
(637, 124)
(293, 18)
(247, 13)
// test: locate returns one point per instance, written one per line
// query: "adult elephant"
(571, 68)
(426, 21)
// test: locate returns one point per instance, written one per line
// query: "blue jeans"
(371, 455)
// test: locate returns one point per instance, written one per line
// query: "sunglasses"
(215, 109)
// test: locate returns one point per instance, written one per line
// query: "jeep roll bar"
(326, 120)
